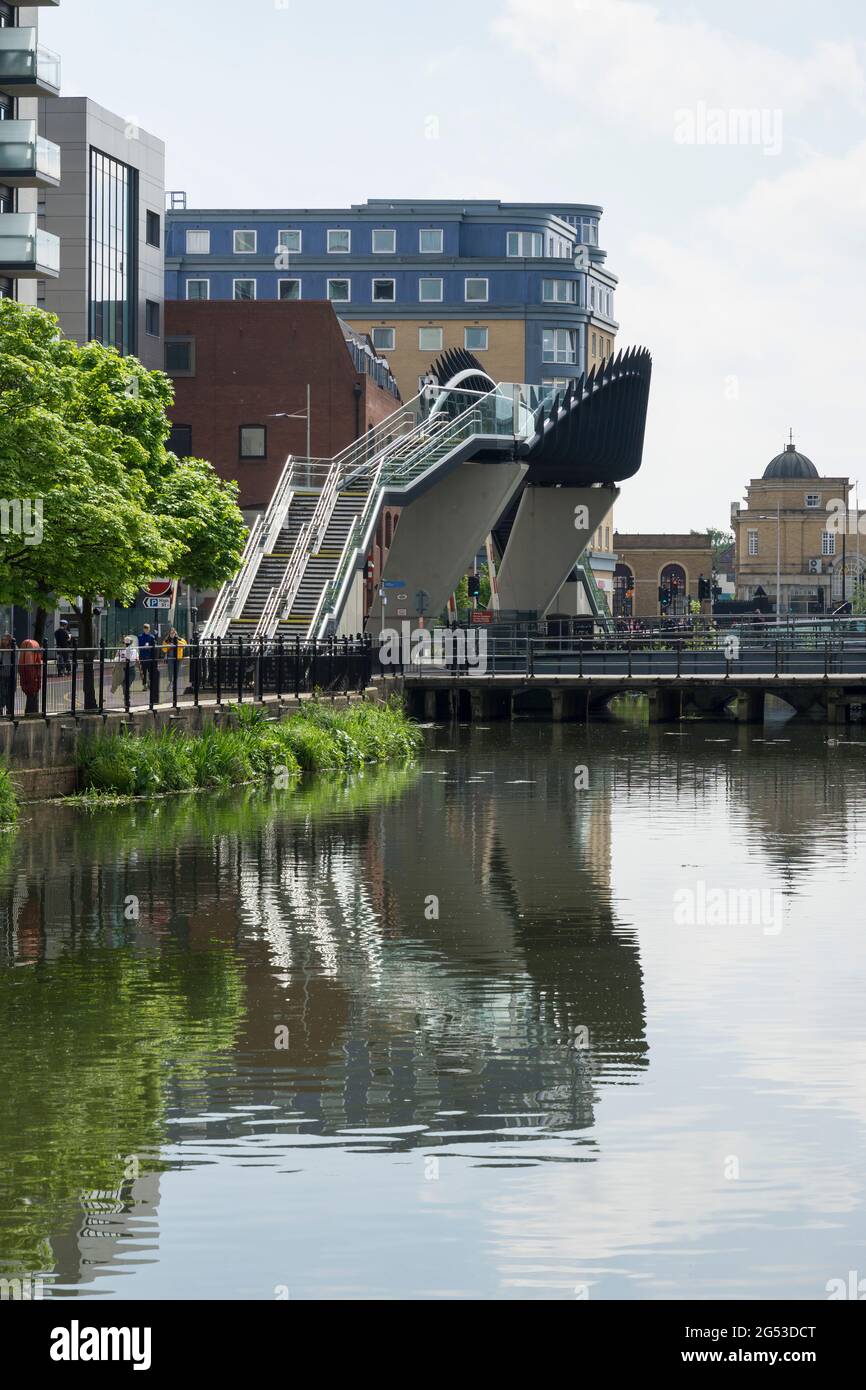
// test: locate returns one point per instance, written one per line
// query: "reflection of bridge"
(576, 677)
(533, 467)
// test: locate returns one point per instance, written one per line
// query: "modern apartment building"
(523, 286)
(109, 213)
(28, 161)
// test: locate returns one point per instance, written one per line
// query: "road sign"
(393, 583)
(481, 618)
(160, 588)
(157, 603)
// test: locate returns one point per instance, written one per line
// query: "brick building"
(648, 563)
(240, 368)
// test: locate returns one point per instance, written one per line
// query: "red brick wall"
(255, 360)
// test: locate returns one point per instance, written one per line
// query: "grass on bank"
(8, 799)
(255, 748)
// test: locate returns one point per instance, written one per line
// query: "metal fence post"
(278, 674)
(74, 676)
(44, 693)
(196, 674)
(241, 670)
(127, 681)
(297, 668)
(260, 672)
(102, 675)
(174, 674)
(219, 670)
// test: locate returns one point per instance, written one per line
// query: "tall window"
(753, 542)
(828, 543)
(113, 253)
(559, 345)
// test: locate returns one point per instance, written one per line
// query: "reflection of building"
(109, 211)
(650, 566)
(523, 286)
(794, 523)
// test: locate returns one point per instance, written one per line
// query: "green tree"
(83, 456)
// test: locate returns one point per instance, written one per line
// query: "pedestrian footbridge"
(534, 467)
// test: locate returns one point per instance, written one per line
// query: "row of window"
(828, 541)
(431, 339)
(338, 241)
(252, 441)
(431, 290)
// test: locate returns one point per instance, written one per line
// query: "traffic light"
(703, 589)
(474, 585)
(664, 596)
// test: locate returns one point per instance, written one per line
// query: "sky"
(739, 241)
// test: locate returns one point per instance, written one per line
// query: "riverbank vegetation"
(8, 799)
(254, 748)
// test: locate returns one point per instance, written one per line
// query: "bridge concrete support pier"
(552, 529)
(665, 706)
(566, 706)
(431, 703)
(490, 704)
(749, 707)
(838, 707)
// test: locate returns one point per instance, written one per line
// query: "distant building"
(109, 212)
(794, 524)
(523, 286)
(241, 373)
(650, 566)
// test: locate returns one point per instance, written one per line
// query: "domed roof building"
(791, 538)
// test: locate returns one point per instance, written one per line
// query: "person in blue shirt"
(147, 654)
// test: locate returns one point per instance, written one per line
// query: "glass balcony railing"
(27, 159)
(26, 67)
(26, 252)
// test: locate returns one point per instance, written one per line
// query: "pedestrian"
(146, 655)
(30, 666)
(126, 658)
(7, 676)
(62, 644)
(174, 650)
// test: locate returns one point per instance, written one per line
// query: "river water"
(499, 1025)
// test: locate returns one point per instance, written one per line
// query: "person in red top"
(30, 673)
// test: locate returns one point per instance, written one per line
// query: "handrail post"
(219, 670)
(241, 670)
(278, 672)
(102, 675)
(196, 675)
(174, 674)
(127, 682)
(44, 692)
(297, 668)
(72, 701)
(260, 672)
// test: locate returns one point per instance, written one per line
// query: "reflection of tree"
(90, 1044)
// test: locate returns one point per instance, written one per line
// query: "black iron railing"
(73, 680)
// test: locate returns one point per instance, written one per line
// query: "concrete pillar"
(568, 705)
(749, 706)
(838, 710)
(546, 542)
(430, 703)
(665, 706)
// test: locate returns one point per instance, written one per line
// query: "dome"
(791, 464)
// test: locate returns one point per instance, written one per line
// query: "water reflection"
(214, 1010)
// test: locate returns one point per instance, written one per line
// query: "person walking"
(174, 650)
(146, 655)
(62, 645)
(126, 659)
(30, 665)
(7, 676)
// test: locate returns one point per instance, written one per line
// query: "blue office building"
(521, 285)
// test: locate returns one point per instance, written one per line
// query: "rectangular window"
(154, 227)
(290, 289)
(384, 241)
(339, 291)
(828, 543)
(151, 318)
(113, 253)
(593, 345)
(290, 241)
(477, 291)
(559, 345)
(813, 499)
(559, 291)
(476, 339)
(429, 339)
(198, 289)
(384, 291)
(431, 241)
(430, 289)
(384, 339)
(253, 441)
(198, 243)
(245, 243)
(243, 289)
(180, 441)
(339, 242)
(526, 244)
(753, 542)
(180, 356)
